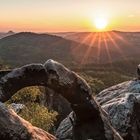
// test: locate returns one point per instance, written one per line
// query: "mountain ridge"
(5, 34)
(32, 47)
(28, 47)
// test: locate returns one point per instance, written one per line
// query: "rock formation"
(121, 103)
(13, 127)
(17, 107)
(138, 71)
(90, 121)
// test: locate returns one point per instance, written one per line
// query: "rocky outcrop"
(138, 71)
(17, 107)
(89, 120)
(65, 129)
(4, 72)
(121, 104)
(13, 127)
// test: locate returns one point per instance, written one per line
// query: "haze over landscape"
(92, 26)
(99, 43)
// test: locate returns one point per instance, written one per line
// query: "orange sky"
(68, 15)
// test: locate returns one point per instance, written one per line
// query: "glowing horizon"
(68, 16)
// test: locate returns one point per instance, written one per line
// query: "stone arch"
(67, 83)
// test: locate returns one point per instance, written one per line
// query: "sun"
(100, 23)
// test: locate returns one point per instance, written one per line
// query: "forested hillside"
(87, 48)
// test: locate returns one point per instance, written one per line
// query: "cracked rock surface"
(122, 105)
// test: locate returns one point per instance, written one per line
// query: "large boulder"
(121, 103)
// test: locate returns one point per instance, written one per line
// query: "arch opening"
(61, 80)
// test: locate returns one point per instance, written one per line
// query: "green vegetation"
(109, 78)
(95, 84)
(39, 116)
(3, 66)
(26, 95)
(34, 112)
(101, 76)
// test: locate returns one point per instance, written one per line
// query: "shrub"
(95, 84)
(36, 114)
(25, 95)
(39, 116)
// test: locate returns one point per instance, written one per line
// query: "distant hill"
(72, 48)
(88, 37)
(26, 47)
(107, 46)
(2, 34)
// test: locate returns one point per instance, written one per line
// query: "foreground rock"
(17, 107)
(65, 129)
(89, 121)
(13, 127)
(122, 104)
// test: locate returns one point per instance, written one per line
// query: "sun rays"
(101, 45)
(92, 41)
(106, 47)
